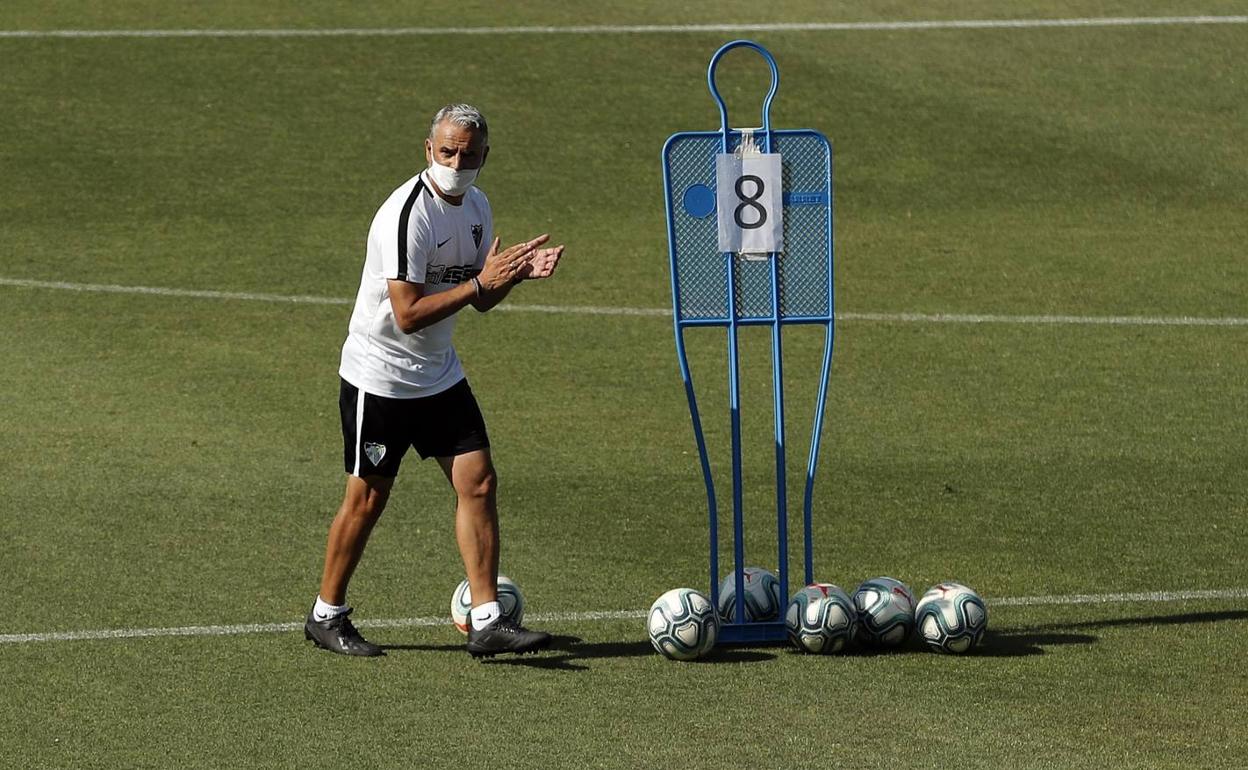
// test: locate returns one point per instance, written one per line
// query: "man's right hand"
(502, 267)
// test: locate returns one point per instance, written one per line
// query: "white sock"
(485, 614)
(323, 610)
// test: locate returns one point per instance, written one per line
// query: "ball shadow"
(995, 644)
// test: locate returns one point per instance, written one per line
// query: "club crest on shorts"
(375, 452)
(477, 232)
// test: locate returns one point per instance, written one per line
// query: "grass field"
(173, 461)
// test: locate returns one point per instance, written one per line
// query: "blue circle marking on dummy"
(699, 201)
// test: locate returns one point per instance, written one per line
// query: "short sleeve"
(418, 245)
(405, 249)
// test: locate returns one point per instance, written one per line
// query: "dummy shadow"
(1032, 640)
(1024, 642)
(1152, 620)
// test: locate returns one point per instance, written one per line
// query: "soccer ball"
(885, 611)
(951, 618)
(509, 598)
(762, 596)
(682, 624)
(821, 619)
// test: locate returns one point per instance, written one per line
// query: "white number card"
(749, 203)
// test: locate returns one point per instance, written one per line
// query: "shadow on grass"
(565, 652)
(423, 647)
(1011, 644)
(1153, 620)
(995, 644)
(1032, 640)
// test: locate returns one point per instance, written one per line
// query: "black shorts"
(376, 431)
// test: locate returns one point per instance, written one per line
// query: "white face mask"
(450, 181)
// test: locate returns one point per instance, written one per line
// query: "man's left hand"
(541, 265)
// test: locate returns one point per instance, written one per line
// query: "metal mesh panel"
(701, 275)
(805, 263)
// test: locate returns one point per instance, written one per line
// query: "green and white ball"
(821, 619)
(509, 599)
(761, 595)
(885, 609)
(682, 624)
(951, 618)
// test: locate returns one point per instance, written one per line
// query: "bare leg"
(362, 505)
(476, 520)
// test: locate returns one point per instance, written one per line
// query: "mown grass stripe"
(1144, 597)
(957, 318)
(635, 29)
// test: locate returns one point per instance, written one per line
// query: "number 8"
(751, 201)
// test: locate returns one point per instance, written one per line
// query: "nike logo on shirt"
(443, 243)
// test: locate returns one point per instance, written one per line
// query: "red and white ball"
(821, 619)
(509, 599)
(951, 618)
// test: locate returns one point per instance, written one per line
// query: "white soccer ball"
(951, 618)
(885, 611)
(682, 624)
(509, 598)
(821, 619)
(762, 596)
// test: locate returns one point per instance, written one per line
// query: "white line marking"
(1147, 597)
(635, 29)
(1066, 320)
(1144, 597)
(161, 291)
(956, 318)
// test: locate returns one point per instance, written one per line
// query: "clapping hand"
(504, 267)
(541, 263)
(521, 262)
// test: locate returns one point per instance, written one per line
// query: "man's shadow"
(569, 650)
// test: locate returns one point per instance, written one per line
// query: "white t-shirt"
(416, 236)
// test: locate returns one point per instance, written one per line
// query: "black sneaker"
(338, 635)
(505, 635)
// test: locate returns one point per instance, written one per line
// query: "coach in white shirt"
(431, 253)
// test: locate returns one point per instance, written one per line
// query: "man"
(431, 253)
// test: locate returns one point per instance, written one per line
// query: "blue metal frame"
(719, 100)
(767, 630)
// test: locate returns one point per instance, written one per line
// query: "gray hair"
(464, 115)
